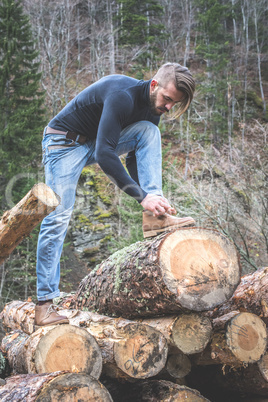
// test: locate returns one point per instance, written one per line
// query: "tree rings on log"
(54, 348)
(246, 337)
(191, 333)
(66, 347)
(142, 351)
(201, 266)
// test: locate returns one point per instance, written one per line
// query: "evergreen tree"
(139, 25)
(21, 101)
(214, 46)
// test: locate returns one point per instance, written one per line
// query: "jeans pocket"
(60, 142)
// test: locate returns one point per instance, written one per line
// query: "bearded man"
(114, 116)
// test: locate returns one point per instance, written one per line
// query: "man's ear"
(154, 85)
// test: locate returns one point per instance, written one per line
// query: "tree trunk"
(56, 387)
(244, 341)
(188, 332)
(153, 391)
(17, 223)
(251, 295)
(54, 348)
(188, 269)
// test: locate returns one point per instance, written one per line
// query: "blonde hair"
(181, 78)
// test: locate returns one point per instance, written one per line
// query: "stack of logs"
(161, 320)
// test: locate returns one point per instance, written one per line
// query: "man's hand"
(157, 204)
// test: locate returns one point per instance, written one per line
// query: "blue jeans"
(63, 166)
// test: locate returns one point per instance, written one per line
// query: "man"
(114, 116)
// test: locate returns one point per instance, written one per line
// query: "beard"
(153, 107)
(156, 111)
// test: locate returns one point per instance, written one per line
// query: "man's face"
(163, 99)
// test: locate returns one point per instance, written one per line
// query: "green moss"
(117, 259)
(83, 219)
(106, 239)
(90, 183)
(99, 181)
(88, 170)
(99, 227)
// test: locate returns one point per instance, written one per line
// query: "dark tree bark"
(153, 391)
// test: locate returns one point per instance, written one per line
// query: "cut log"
(188, 332)
(250, 296)
(188, 269)
(19, 315)
(243, 342)
(56, 387)
(18, 223)
(55, 348)
(153, 391)
(129, 349)
(178, 365)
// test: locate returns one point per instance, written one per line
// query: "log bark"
(190, 332)
(153, 391)
(251, 295)
(56, 387)
(129, 349)
(244, 341)
(55, 348)
(19, 315)
(4, 366)
(263, 367)
(17, 223)
(188, 269)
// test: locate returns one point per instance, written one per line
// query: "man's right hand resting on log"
(157, 216)
(114, 116)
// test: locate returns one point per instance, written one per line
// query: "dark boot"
(153, 225)
(46, 315)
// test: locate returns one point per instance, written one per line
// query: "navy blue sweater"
(101, 111)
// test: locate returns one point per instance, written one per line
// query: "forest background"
(215, 164)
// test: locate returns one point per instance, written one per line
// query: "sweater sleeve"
(115, 110)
